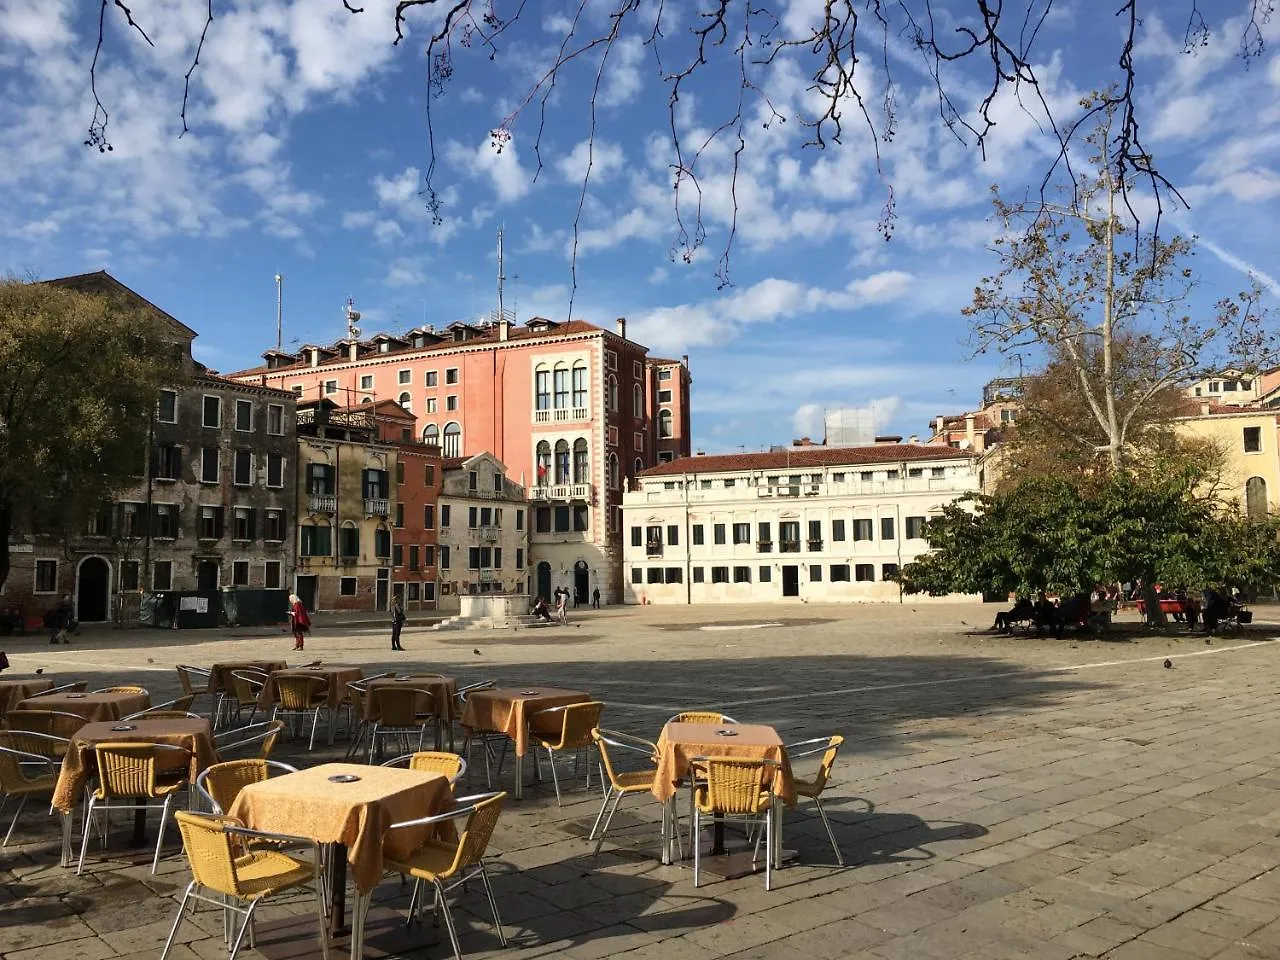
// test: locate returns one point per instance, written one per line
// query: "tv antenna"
(279, 310)
(352, 315)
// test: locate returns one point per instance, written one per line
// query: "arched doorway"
(1255, 498)
(581, 582)
(544, 580)
(207, 576)
(93, 590)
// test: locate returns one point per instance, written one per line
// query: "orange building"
(571, 409)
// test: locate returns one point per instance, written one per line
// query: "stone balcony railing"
(562, 415)
(322, 503)
(377, 508)
(561, 491)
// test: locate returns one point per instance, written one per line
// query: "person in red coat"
(299, 622)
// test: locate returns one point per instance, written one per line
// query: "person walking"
(61, 621)
(595, 599)
(299, 621)
(562, 605)
(397, 622)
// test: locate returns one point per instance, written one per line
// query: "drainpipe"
(146, 543)
(297, 501)
(688, 547)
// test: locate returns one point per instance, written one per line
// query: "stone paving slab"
(997, 797)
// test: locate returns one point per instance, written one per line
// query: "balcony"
(322, 503)
(653, 549)
(377, 508)
(815, 546)
(562, 491)
(764, 546)
(561, 415)
(488, 534)
(789, 546)
(348, 559)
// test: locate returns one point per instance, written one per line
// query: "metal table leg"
(519, 776)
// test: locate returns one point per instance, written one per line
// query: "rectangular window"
(428, 516)
(366, 381)
(400, 473)
(766, 575)
(129, 570)
(717, 533)
(212, 415)
(673, 534)
(242, 476)
(432, 405)
(497, 558)
(888, 571)
(444, 515)
(837, 530)
(168, 465)
(728, 484)
(915, 528)
(397, 555)
(672, 575)
(429, 592)
(519, 519)
(273, 526)
(240, 573)
(861, 530)
(399, 516)
(719, 574)
(46, 576)
(275, 419)
(331, 386)
(742, 533)
(429, 476)
(937, 472)
(244, 415)
(497, 483)
(444, 556)
(210, 523)
(167, 408)
(863, 572)
(637, 575)
(472, 518)
(210, 466)
(579, 518)
(414, 553)
(433, 378)
(242, 523)
(835, 478)
(347, 587)
(789, 536)
(162, 575)
(764, 535)
(316, 540)
(698, 536)
(414, 591)
(451, 402)
(579, 386)
(473, 480)
(664, 396)
(915, 472)
(519, 558)
(815, 573)
(664, 374)
(349, 542)
(428, 555)
(164, 521)
(451, 375)
(741, 574)
(886, 528)
(275, 470)
(1252, 439)
(562, 519)
(320, 479)
(839, 573)
(404, 376)
(654, 575)
(473, 558)
(699, 575)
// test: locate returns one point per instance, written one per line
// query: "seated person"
(1215, 609)
(1021, 612)
(541, 610)
(1044, 613)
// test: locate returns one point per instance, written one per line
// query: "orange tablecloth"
(308, 804)
(220, 673)
(507, 710)
(92, 706)
(443, 689)
(15, 690)
(681, 742)
(336, 677)
(192, 733)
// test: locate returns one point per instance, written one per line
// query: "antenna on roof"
(352, 316)
(502, 312)
(279, 310)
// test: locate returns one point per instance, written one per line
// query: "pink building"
(571, 409)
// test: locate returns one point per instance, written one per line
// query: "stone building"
(345, 503)
(483, 534)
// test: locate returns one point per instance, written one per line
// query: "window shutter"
(218, 522)
(253, 523)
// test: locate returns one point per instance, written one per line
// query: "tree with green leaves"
(79, 377)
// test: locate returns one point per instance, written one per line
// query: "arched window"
(1255, 498)
(561, 383)
(431, 434)
(581, 464)
(452, 446)
(562, 461)
(349, 540)
(366, 399)
(613, 471)
(638, 467)
(613, 393)
(542, 388)
(542, 459)
(637, 401)
(406, 401)
(579, 385)
(664, 424)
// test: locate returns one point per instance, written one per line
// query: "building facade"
(345, 504)
(808, 524)
(570, 408)
(483, 531)
(1247, 441)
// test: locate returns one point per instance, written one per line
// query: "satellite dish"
(353, 315)
(355, 331)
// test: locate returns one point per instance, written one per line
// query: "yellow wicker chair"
(810, 788)
(576, 722)
(56, 723)
(448, 864)
(701, 716)
(299, 696)
(187, 674)
(225, 866)
(246, 687)
(123, 688)
(128, 771)
(400, 711)
(76, 686)
(221, 783)
(735, 789)
(622, 783)
(18, 784)
(432, 761)
(47, 745)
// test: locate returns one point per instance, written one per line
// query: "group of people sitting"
(1093, 610)
(1213, 607)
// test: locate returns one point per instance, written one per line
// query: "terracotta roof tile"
(802, 457)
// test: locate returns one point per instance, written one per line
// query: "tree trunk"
(6, 528)
(1114, 445)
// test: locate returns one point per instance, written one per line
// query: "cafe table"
(92, 707)
(507, 710)
(193, 734)
(335, 677)
(350, 808)
(14, 690)
(680, 743)
(443, 690)
(220, 673)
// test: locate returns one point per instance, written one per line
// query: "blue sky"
(308, 145)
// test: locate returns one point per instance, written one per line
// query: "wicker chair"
(57, 723)
(576, 722)
(357, 704)
(701, 716)
(225, 866)
(124, 688)
(446, 864)
(47, 745)
(221, 783)
(263, 735)
(128, 771)
(76, 686)
(735, 789)
(622, 783)
(201, 676)
(400, 711)
(432, 761)
(810, 788)
(18, 784)
(246, 688)
(300, 696)
(485, 738)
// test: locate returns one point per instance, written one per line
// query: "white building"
(484, 536)
(815, 523)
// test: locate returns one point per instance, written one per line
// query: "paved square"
(996, 797)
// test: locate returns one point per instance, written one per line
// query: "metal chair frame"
(71, 722)
(30, 739)
(24, 758)
(251, 679)
(709, 767)
(317, 699)
(76, 686)
(124, 688)
(702, 716)
(216, 808)
(407, 760)
(613, 790)
(486, 737)
(428, 718)
(270, 730)
(565, 711)
(809, 748)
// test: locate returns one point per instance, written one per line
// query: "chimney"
(354, 350)
(685, 360)
(941, 422)
(913, 439)
(504, 330)
(315, 356)
(968, 429)
(622, 327)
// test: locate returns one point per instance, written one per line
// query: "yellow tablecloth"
(681, 742)
(91, 706)
(507, 710)
(335, 677)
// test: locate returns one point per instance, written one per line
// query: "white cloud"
(1184, 117)
(623, 79)
(399, 189)
(605, 159)
(510, 181)
(404, 272)
(387, 231)
(359, 219)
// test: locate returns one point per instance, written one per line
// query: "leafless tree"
(845, 59)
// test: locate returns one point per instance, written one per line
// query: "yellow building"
(1249, 439)
(344, 509)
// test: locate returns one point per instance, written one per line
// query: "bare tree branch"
(195, 62)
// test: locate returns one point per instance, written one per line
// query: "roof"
(801, 457)
(205, 374)
(102, 282)
(663, 362)
(386, 408)
(486, 337)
